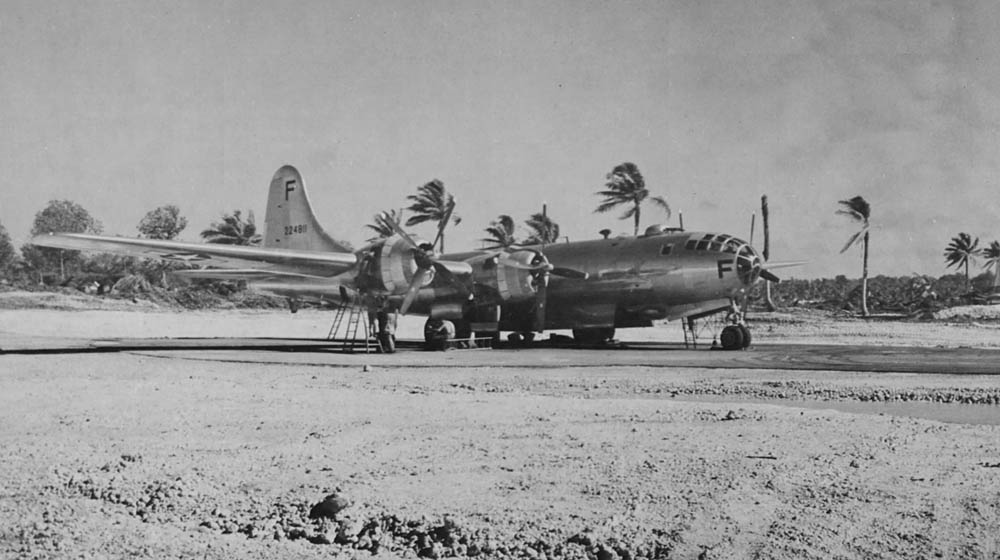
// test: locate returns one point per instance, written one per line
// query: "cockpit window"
(717, 243)
(666, 249)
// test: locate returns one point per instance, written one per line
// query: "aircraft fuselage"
(631, 281)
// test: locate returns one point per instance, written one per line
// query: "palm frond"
(858, 236)
(856, 208)
(608, 205)
(662, 203)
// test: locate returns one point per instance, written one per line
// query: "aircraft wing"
(249, 274)
(248, 260)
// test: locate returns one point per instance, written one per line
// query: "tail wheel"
(731, 338)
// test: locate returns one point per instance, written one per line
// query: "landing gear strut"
(386, 332)
(735, 336)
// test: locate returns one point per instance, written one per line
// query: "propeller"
(541, 270)
(427, 262)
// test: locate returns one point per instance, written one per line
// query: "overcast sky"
(125, 106)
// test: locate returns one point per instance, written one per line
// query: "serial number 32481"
(301, 228)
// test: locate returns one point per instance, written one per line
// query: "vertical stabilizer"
(290, 222)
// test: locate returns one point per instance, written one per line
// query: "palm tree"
(433, 203)
(960, 252)
(860, 211)
(382, 224)
(543, 230)
(233, 230)
(626, 186)
(992, 256)
(501, 233)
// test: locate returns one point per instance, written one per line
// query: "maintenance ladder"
(346, 333)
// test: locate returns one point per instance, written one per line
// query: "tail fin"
(290, 222)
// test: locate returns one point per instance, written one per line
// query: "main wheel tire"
(731, 338)
(438, 332)
(594, 336)
(746, 336)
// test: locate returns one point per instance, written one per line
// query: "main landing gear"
(601, 335)
(441, 334)
(735, 337)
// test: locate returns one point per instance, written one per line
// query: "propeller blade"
(569, 273)
(783, 264)
(769, 276)
(418, 280)
(400, 232)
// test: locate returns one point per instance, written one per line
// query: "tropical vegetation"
(859, 211)
(992, 263)
(62, 216)
(433, 203)
(541, 229)
(8, 254)
(164, 222)
(383, 222)
(233, 229)
(626, 186)
(960, 252)
(500, 233)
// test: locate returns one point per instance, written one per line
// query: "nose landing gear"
(735, 337)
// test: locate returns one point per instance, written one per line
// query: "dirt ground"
(179, 455)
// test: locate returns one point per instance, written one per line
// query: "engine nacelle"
(511, 274)
(390, 266)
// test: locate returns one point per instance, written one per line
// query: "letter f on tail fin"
(290, 222)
